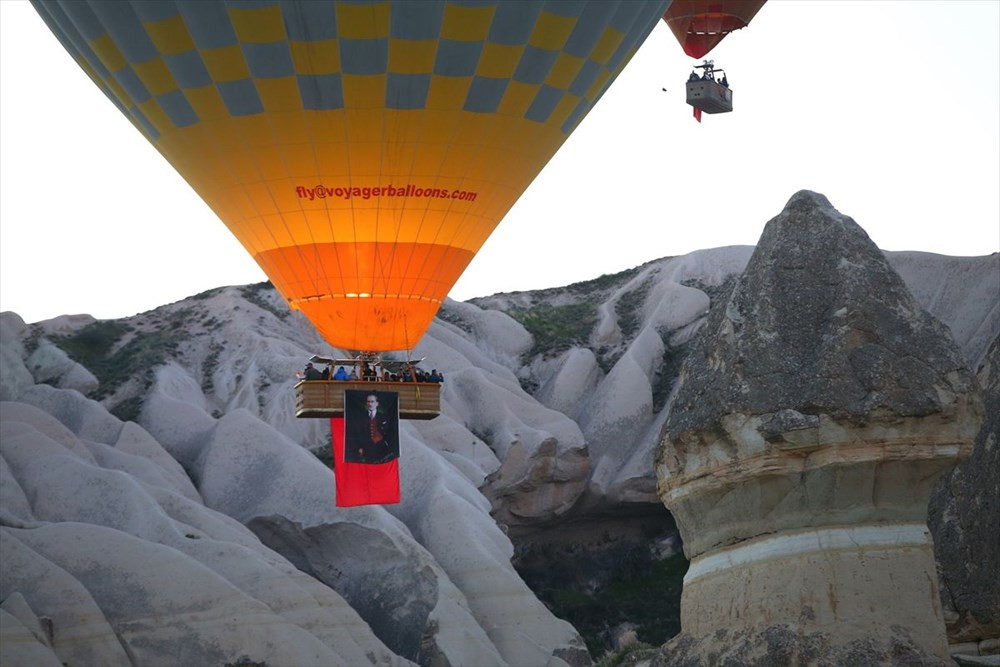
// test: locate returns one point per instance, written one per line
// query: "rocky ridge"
(547, 436)
(963, 515)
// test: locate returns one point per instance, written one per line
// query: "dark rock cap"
(819, 323)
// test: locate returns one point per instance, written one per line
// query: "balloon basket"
(325, 398)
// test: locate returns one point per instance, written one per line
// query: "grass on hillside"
(556, 328)
(93, 347)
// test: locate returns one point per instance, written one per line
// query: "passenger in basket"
(341, 374)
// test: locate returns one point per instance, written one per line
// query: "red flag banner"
(697, 114)
(366, 449)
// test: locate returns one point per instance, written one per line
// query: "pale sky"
(890, 109)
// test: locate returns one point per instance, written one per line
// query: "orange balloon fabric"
(362, 152)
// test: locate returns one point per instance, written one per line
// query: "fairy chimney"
(812, 416)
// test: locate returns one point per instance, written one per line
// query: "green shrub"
(529, 385)
(450, 316)
(208, 367)
(604, 282)
(135, 359)
(714, 292)
(627, 656)
(91, 347)
(556, 328)
(207, 294)
(91, 344)
(255, 294)
(245, 661)
(129, 409)
(628, 307)
(638, 590)
(34, 338)
(667, 373)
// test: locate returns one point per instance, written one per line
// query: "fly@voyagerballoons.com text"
(322, 192)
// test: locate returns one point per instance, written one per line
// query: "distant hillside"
(160, 500)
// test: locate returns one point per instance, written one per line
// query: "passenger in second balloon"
(311, 373)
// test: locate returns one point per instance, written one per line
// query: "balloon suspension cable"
(406, 335)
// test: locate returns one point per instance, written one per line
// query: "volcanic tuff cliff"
(963, 516)
(167, 438)
(812, 416)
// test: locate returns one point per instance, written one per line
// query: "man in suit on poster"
(372, 431)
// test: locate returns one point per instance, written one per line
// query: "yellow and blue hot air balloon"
(361, 151)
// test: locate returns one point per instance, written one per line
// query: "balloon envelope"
(699, 25)
(361, 152)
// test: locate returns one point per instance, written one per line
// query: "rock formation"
(109, 558)
(549, 439)
(812, 416)
(614, 379)
(225, 545)
(964, 516)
